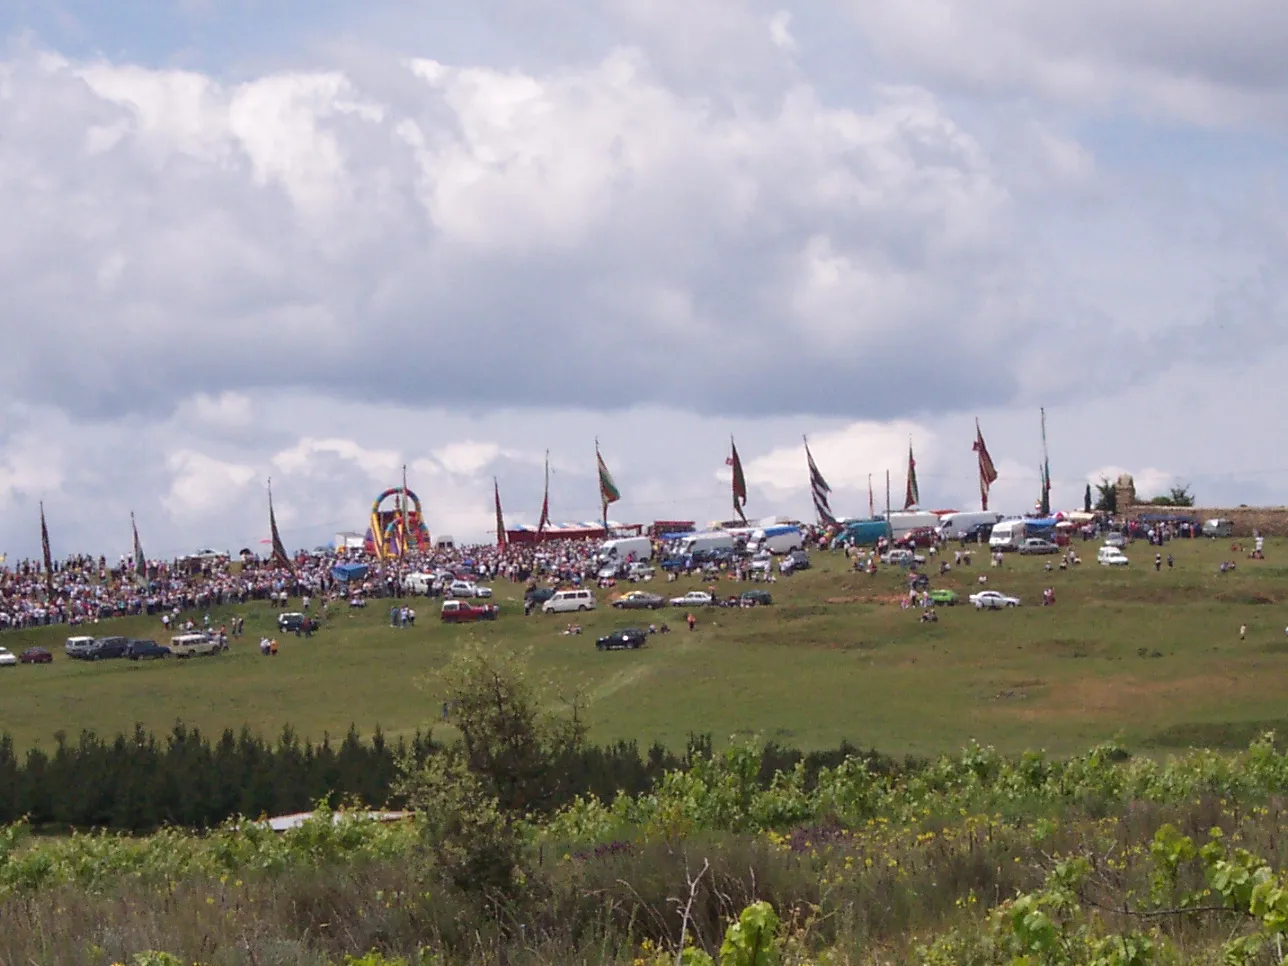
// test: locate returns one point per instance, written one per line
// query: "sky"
(316, 242)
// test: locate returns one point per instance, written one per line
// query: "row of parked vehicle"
(108, 648)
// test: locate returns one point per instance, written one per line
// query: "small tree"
(1086, 500)
(1107, 499)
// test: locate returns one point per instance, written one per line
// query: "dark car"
(35, 655)
(292, 622)
(538, 595)
(640, 600)
(978, 533)
(108, 648)
(753, 598)
(146, 651)
(630, 638)
(794, 561)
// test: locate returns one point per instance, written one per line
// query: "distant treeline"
(139, 782)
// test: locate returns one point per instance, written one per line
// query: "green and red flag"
(739, 482)
(912, 494)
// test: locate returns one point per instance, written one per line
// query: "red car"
(461, 611)
(35, 655)
(921, 537)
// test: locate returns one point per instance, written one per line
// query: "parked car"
(694, 598)
(639, 600)
(7, 658)
(944, 596)
(108, 648)
(146, 651)
(920, 537)
(538, 595)
(1218, 528)
(78, 647)
(630, 638)
(467, 589)
(639, 570)
(794, 561)
(1033, 545)
(292, 621)
(566, 601)
(193, 645)
(993, 600)
(1111, 557)
(461, 612)
(902, 557)
(755, 598)
(610, 571)
(1115, 539)
(35, 655)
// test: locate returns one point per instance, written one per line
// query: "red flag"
(987, 471)
(912, 495)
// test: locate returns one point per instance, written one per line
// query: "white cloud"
(203, 485)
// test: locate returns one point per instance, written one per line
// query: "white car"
(762, 563)
(993, 600)
(902, 557)
(7, 657)
(465, 588)
(694, 598)
(1112, 557)
(640, 570)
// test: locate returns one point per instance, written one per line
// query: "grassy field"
(1153, 657)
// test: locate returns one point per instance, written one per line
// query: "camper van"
(1007, 535)
(711, 540)
(626, 548)
(902, 523)
(954, 526)
(863, 533)
(780, 539)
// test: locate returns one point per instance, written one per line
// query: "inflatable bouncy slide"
(397, 528)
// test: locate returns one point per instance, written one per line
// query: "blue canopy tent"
(347, 572)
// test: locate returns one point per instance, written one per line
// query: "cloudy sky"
(316, 240)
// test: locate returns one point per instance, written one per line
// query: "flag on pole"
(406, 520)
(608, 492)
(1045, 505)
(912, 495)
(987, 471)
(49, 559)
(545, 501)
(820, 490)
(140, 561)
(500, 520)
(739, 482)
(280, 556)
(872, 508)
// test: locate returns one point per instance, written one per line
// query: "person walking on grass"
(692, 621)
(1243, 632)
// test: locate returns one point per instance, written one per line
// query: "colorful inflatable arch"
(398, 529)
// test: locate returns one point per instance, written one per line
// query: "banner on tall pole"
(140, 561)
(739, 482)
(280, 556)
(912, 494)
(544, 521)
(987, 471)
(1045, 503)
(49, 558)
(608, 492)
(500, 520)
(819, 490)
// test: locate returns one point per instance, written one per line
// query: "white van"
(617, 551)
(954, 526)
(903, 523)
(418, 583)
(781, 539)
(565, 601)
(1007, 535)
(711, 540)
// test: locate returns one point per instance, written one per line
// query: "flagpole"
(872, 509)
(406, 522)
(887, 501)
(603, 505)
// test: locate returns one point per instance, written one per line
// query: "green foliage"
(153, 958)
(1106, 496)
(473, 843)
(753, 939)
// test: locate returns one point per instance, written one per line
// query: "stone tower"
(1125, 492)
